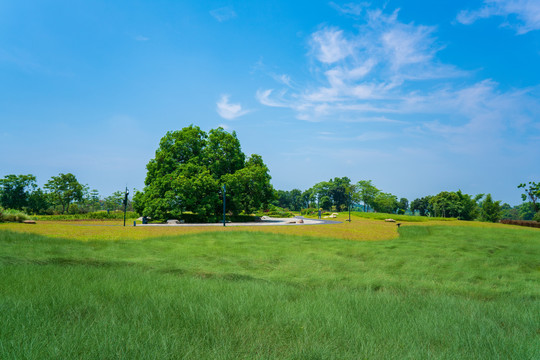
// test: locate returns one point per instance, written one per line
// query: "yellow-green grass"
(359, 229)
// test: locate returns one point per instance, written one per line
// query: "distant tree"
(490, 210)
(115, 201)
(509, 212)
(446, 204)
(403, 205)
(64, 189)
(93, 200)
(385, 203)
(367, 193)
(325, 202)
(309, 199)
(422, 205)
(38, 202)
(532, 191)
(15, 190)
(338, 191)
(525, 211)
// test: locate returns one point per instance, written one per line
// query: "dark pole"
(224, 190)
(349, 206)
(125, 204)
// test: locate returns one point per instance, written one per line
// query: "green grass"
(436, 292)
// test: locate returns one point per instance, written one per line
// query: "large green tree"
(15, 190)
(190, 169)
(64, 189)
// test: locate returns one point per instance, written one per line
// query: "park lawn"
(437, 291)
(359, 229)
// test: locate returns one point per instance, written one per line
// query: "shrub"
(9, 215)
(537, 217)
(97, 215)
(529, 223)
(309, 211)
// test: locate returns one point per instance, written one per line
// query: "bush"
(9, 215)
(309, 211)
(97, 215)
(528, 223)
(537, 217)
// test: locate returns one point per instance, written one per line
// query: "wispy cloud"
(366, 70)
(354, 9)
(223, 13)
(388, 73)
(521, 15)
(228, 110)
(141, 38)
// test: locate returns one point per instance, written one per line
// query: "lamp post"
(349, 206)
(125, 204)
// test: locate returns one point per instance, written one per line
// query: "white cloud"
(354, 9)
(228, 110)
(223, 14)
(388, 73)
(141, 38)
(522, 15)
(330, 45)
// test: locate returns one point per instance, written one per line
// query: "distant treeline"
(339, 194)
(62, 194)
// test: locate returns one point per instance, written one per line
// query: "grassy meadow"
(364, 290)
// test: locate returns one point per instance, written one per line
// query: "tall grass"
(10, 215)
(436, 292)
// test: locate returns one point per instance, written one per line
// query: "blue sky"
(418, 96)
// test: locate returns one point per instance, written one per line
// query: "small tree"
(64, 189)
(490, 210)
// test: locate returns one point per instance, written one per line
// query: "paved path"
(267, 221)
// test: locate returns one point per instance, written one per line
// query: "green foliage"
(385, 203)
(275, 211)
(532, 192)
(422, 205)
(249, 189)
(96, 215)
(222, 154)
(64, 189)
(189, 171)
(15, 190)
(403, 206)
(293, 200)
(490, 210)
(537, 217)
(12, 215)
(38, 202)
(455, 204)
(367, 193)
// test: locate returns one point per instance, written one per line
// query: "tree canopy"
(190, 169)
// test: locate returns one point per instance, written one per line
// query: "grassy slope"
(437, 291)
